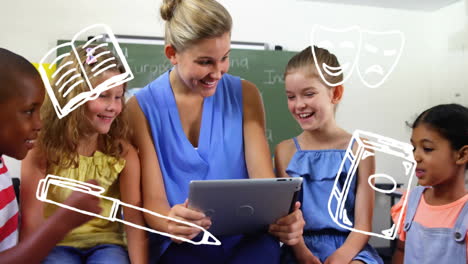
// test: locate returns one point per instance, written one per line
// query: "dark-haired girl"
(436, 220)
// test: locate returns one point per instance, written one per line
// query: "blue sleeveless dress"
(322, 235)
(220, 155)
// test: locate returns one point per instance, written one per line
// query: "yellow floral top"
(105, 170)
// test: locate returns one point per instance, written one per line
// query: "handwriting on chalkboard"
(273, 77)
(155, 69)
(239, 63)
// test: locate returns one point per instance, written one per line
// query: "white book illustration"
(368, 145)
(62, 79)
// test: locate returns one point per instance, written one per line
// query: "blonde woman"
(198, 122)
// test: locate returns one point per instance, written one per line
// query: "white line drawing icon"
(368, 144)
(346, 42)
(361, 49)
(78, 76)
(379, 62)
(91, 189)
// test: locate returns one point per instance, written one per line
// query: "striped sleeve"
(8, 210)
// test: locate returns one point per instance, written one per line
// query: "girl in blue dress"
(196, 122)
(316, 155)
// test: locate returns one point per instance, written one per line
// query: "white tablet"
(244, 206)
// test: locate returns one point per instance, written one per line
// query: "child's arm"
(33, 169)
(303, 254)
(399, 253)
(257, 158)
(130, 190)
(37, 245)
(363, 210)
(283, 154)
(257, 152)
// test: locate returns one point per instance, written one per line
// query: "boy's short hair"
(13, 68)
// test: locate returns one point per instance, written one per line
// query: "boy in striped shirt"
(21, 96)
(8, 210)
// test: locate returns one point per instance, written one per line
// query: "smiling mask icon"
(344, 43)
(379, 54)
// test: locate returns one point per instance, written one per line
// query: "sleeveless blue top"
(220, 152)
(318, 168)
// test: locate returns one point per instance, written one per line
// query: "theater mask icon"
(379, 55)
(344, 43)
(399, 163)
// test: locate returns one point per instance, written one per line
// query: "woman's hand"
(182, 212)
(289, 228)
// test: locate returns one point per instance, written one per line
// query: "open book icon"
(65, 80)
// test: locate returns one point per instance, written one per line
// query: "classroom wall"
(450, 64)
(451, 70)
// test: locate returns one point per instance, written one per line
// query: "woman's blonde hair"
(188, 21)
(59, 138)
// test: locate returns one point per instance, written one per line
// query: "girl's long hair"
(59, 138)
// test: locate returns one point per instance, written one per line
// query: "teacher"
(196, 122)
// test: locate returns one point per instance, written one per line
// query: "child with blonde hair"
(90, 143)
(316, 155)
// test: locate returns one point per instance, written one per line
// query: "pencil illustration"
(57, 181)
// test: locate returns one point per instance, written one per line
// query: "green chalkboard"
(263, 68)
